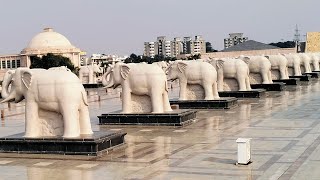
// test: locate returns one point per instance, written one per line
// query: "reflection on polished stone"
(284, 125)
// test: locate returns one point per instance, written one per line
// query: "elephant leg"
(220, 82)
(283, 74)
(70, 113)
(91, 77)
(265, 77)
(208, 93)
(307, 68)
(316, 66)
(166, 103)
(242, 83)
(156, 100)
(84, 119)
(94, 78)
(270, 77)
(33, 128)
(248, 86)
(215, 91)
(297, 70)
(126, 100)
(183, 91)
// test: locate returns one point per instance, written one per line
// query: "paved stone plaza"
(284, 127)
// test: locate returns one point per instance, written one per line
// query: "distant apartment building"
(175, 47)
(234, 39)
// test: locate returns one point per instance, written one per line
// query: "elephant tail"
(84, 98)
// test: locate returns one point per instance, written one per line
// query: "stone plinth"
(313, 74)
(269, 87)
(302, 77)
(291, 81)
(254, 93)
(92, 85)
(89, 145)
(173, 118)
(222, 103)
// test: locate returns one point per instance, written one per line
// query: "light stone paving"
(284, 127)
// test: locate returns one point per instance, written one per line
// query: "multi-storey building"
(175, 47)
(234, 39)
(150, 49)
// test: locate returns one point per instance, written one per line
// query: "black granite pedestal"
(92, 85)
(291, 81)
(177, 117)
(222, 103)
(302, 77)
(313, 74)
(90, 145)
(269, 87)
(254, 93)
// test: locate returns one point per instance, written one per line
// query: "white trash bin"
(244, 151)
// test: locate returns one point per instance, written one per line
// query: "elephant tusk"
(11, 97)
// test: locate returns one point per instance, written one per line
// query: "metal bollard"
(9, 105)
(98, 98)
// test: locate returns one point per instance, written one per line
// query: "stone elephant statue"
(194, 72)
(280, 63)
(232, 68)
(314, 60)
(305, 62)
(260, 65)
(49, 91)
(88, 74)
(139, 79)
(294, 62)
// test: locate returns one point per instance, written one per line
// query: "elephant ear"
(124, 71)
(26, 78)
(246, 60)
(182, 66)
(219, 63)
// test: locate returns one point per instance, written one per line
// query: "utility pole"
(296, 38)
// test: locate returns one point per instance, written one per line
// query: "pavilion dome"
(49, 41)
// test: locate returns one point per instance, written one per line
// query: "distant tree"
(209, 48)
(51, 60)
(133, 58)
(286, 44)
(195, 56)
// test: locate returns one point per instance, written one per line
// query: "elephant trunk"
(5, 86)
(105, 82)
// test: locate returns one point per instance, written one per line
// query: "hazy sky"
(122, 26)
